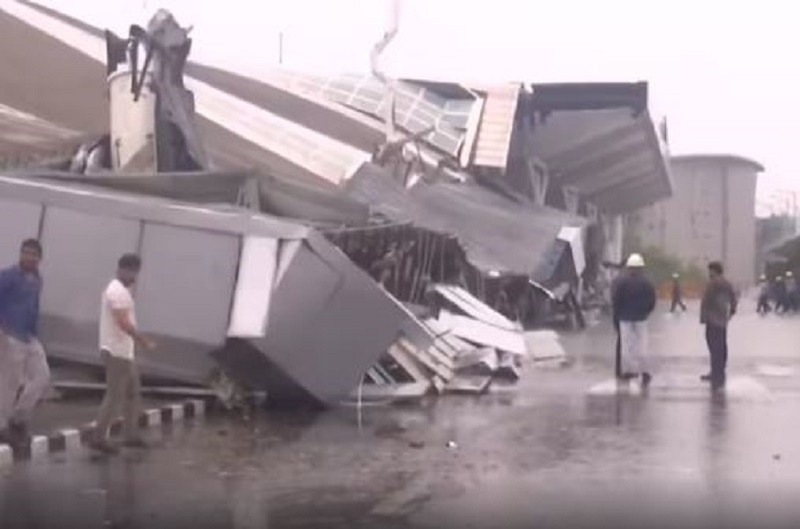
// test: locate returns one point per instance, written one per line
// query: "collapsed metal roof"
(497, 233)
(599, 139)
(302, 138)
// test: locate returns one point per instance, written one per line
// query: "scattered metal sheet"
(507, 368)
(469, 384)
(445, 340)
(482, 361)
(427, 360)
(544, 344)
(408, 362)
(409, 390)
(475, 308)
(484, 334)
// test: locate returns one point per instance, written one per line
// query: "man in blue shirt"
(24, 373)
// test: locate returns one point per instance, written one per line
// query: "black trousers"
(677, 302)
(617, 351)
(717, 340)
(763, 305)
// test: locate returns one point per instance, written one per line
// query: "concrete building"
(711, 215)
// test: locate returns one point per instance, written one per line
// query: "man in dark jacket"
(634, 301)
(618, 349)
(717, 309)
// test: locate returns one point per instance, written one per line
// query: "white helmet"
(635, 261)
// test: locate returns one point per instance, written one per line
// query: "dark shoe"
(103, 447)
(646, 378)
(18, 428)
(18, 433)
(136, 442)
(706, 378)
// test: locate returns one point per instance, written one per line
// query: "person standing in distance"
(24, 373)
(634, 301)
(716, 310)
(119, 336)
(764, 291)
(677, 294)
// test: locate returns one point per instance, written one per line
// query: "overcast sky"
(725, 74)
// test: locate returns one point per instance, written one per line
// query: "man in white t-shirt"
(118, 339)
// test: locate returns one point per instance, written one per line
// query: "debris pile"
(471, 346)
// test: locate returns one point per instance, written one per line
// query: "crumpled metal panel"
(496, 232)
(329, 323)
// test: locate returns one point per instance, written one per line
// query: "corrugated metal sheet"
(497, 124)
(25, 137)
(496, 232)
(417, 108)
(600, 139)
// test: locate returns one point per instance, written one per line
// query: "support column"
(614, 233)
(572, 199)
(540, 179)
(592, 212)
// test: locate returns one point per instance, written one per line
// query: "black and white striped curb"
(73, 439)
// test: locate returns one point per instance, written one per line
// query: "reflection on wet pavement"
(554, 451)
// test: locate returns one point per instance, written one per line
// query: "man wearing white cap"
(634, 301)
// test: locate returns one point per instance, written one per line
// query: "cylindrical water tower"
(133, 122)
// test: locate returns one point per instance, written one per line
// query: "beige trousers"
(123, 388)
(24, 377)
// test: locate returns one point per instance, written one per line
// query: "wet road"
(562, 448)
